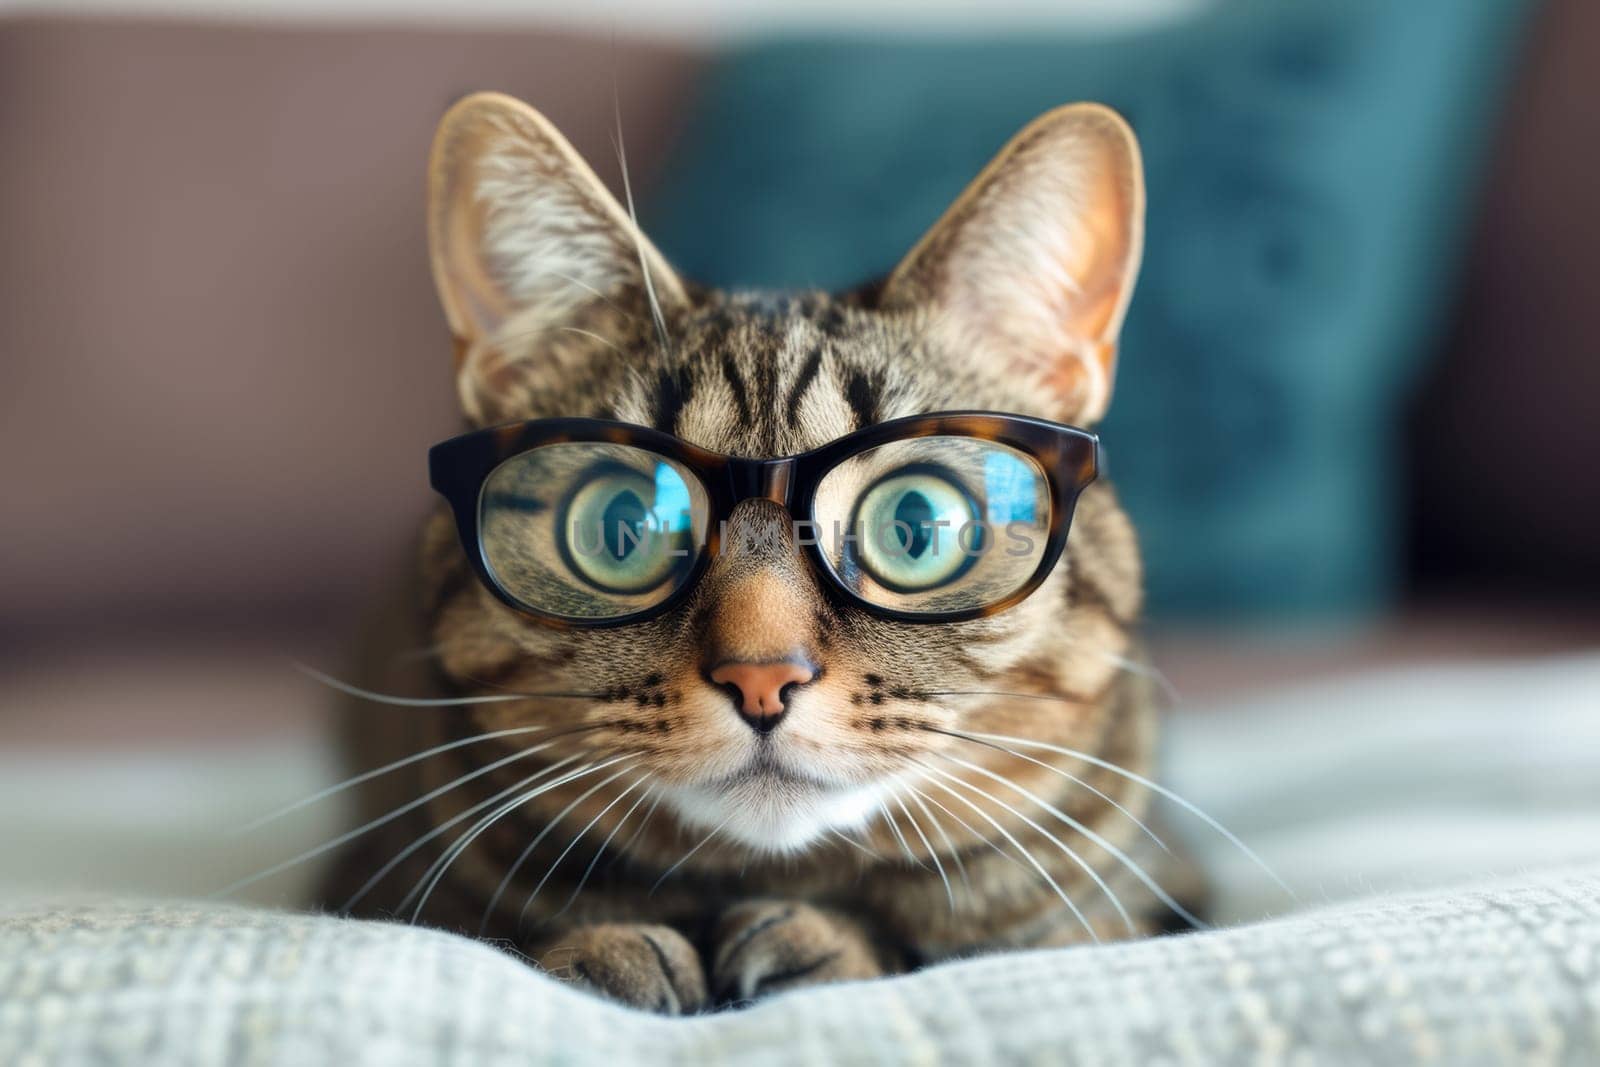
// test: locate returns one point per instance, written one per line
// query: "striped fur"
(884, 841)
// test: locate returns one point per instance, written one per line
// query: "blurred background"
(1354, 421)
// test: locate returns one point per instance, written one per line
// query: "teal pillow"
(1308, 167)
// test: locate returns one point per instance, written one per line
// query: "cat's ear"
(1033, 266)
(519, 227)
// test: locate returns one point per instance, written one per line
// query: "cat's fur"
(1011, 303)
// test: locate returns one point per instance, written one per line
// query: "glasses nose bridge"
(762, 479)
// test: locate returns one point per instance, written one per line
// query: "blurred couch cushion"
(223, 359)
(1308, 166)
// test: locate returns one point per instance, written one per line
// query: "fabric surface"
(1502, 974)
(1307, 167)
(1422, 777)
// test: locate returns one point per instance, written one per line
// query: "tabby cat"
(763, 781)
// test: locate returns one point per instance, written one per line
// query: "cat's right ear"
(1031, 270)
(522, 232)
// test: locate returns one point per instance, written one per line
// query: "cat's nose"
(762, 687)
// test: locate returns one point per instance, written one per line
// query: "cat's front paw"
(762, 947)
(645, 966)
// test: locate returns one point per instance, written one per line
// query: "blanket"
(1501, 973)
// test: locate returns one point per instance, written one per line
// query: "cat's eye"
(907, 525)
(624, 531)
(937, 525)
(597, 530)
(931, 518)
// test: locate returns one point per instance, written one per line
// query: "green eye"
(909, 524)
(622, 531)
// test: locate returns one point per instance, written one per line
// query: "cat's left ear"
(522, 232)
(1035, 263)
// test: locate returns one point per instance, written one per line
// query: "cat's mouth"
(764, 768)
(772, 806)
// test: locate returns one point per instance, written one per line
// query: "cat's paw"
(645, 966)
(764, 946)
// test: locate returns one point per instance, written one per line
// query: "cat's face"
(1011, 303)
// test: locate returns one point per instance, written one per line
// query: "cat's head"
(561, 307)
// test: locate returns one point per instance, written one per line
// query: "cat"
(971, 785)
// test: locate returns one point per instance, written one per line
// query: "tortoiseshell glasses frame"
(1069, 458)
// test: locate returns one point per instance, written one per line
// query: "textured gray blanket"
(1504, 973)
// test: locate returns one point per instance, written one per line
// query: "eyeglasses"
(931, 518)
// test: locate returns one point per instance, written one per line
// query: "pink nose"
(761, 685)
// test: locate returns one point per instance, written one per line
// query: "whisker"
(1115, 852)
(1151, 785)
(550, 825)
(622, 849)
(1122, 663)
(585, 285)
(894, 829)
(633, 216)
(853, 843)
(350, 783)
(430, 702)
(594, 337)
(950, 848)
(380, 820)
(1035, 864)
(419, 653)
(505, 339)
(443, 647)
(529, 335)
(685, 859)
(1142, 670)
(410, 849)
(1064, 774)
(995, 693)
(998, 851)
(461, 844)
(587, 871)
(932, 853)
(526, 904)
(1085, 865)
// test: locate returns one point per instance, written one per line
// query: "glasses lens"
(591, 531)
(934, 524)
